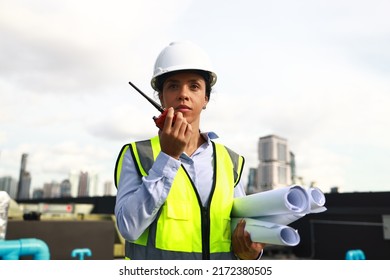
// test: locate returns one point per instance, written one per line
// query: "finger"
(247, 240)
(169, 118)
(188, 132)
(237, 228)
(258, 246)
(181, 125)
(241, 227)
(238, 233)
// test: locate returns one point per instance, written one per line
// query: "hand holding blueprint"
(269, 233)
(268, 214)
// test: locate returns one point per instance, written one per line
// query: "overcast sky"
(314, 72)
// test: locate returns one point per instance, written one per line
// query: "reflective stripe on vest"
(183, 228)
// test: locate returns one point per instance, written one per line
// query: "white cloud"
(72, 46)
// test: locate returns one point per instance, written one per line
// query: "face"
(186, 93)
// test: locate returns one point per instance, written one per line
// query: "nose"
(183, 93)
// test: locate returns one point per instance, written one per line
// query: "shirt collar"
(208, 136)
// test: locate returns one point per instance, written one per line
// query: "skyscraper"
(9, 185)
(65, 188)
(274, 162)
(108, 188)
(24, 180)
(83, 184)
(253, 184)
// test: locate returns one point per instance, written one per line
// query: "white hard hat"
(182, 55)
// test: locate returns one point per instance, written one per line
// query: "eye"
(195, 86)
(171, 86)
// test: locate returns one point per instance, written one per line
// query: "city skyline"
(315, 73)
(276, 168)
(273, 150)
(75, 185)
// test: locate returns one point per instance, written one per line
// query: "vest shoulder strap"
(238, 163)
(142, 154)
(118, 164)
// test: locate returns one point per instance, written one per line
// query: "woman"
(176, 190)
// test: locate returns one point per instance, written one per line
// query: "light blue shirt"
(138, 200)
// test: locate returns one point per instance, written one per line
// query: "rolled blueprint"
(316, 205)
(293, 199)
(4, 204)
(269, 233)
(317, 200)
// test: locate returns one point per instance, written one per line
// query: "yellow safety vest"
(183, 228)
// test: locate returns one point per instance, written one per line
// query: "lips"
(182, 108)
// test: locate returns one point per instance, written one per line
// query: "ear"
(206, 101)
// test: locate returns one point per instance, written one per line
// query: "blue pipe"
(355, 255)
(81, 252)
(14, 249)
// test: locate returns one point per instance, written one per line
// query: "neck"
(196, 141)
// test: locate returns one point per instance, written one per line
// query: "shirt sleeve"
(239, 190)
(138, 198)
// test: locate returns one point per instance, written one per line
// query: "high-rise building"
(24, 180)
(74, 183)
(37, 194)
(252, 186)
(108, 188)
(274, 163)
(294, 177)
(9, 185)
(83, 184)
(65, 188)
(93, 181)
(51, 190)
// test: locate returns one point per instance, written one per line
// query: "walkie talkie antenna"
(154, 103)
